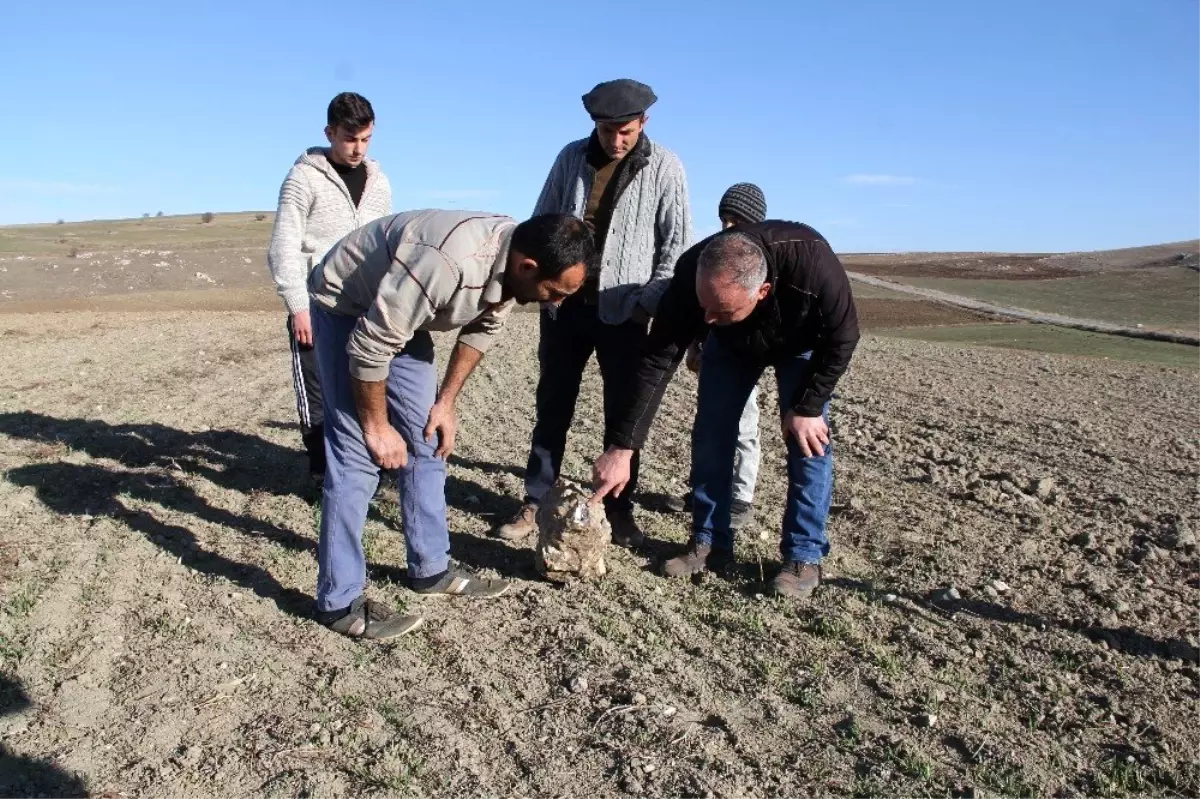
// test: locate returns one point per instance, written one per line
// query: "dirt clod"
(573, 535)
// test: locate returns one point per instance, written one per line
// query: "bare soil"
(157, 562)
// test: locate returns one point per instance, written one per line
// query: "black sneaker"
(681, 504)
(459, 583)
(625, 532)
(740, 514)
(366, 618)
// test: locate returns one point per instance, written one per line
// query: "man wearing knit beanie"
(742, 203)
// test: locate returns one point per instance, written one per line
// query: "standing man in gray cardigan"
(329, 192)
(632, 193)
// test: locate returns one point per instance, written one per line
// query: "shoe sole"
(795, 594)
(511, 536)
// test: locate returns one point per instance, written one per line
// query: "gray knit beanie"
(744, 201)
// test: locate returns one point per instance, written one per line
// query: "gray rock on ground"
(572, 535)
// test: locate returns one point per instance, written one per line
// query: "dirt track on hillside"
(156, 544)
(966, 305)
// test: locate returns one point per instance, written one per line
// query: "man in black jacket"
(768, 294)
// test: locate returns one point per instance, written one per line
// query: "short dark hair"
(350, 111)
(555, 242)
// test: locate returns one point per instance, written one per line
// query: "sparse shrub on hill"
(73, 252)
(159, 213)
(207, 217)
(259, 217)
(59, 222)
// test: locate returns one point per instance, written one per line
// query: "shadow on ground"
(154, 464)
(27, 776)
(1122, 639)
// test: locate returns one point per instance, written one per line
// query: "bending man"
(770, 294)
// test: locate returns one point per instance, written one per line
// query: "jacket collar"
(630, 165)
(318, 159)
(596, 155)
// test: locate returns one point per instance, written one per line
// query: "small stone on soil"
(925, 720)
(577, 684)
(949, 594)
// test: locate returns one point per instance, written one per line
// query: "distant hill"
(1023, 266)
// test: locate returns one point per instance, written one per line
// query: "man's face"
(728, 222)
(521, 279)
(349, 147)
(618, 138)
(726, 302)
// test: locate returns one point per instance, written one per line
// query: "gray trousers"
(746, 457)
(352, 476)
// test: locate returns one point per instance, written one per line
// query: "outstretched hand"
(610, 474)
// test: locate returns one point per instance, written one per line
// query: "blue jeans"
(351, 477)
(726, 382)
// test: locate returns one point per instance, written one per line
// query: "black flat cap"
(618, 100)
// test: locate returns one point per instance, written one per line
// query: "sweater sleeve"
(839, 332)
(550, 200)
(481, 333)
(672, 234)
(285, 255)
(386, 192)
(416, 286)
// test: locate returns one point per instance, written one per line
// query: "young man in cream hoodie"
(329, 192)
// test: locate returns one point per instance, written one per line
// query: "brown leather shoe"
(797, 580)
(697, 558)
(521, 526)
(625, 532)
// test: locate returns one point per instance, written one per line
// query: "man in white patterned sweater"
(329, 192)
(632, 193)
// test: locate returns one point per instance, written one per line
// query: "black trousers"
(567, 343)
(306, 381)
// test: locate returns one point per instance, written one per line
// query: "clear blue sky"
(1016, 125)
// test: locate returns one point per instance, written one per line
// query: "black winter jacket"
(809, 308)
